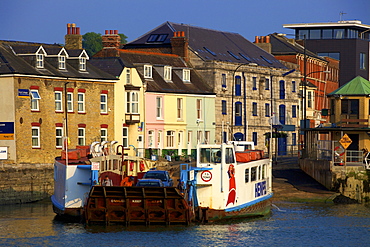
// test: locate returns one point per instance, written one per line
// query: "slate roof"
(281, 45)
(18, 58)
(157, 82)
(209, 44)
(357, 86)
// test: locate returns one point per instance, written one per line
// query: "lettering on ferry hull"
(260, 189)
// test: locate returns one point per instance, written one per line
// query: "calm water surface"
(290, 224)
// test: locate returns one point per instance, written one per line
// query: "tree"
(92, 42)
(123, 38)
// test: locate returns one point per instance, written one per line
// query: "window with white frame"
(199, 136)
(35, 136)
(59, 137)
(167, 73)
(151, 139)
(35, 100)
(170, 137)
(39, 60)
(186, 75)
(132, 104)
(81, 102)
(70, 102)
(58, 96)
(128, 76)
(190, 136)
(199, 109)
(148, 71)
(179, 108)
(125, 137)
(81, 136)
(62, 62)
(159, 107)
(103, 103)
(103, 134)
(82, 63)
(207, 137)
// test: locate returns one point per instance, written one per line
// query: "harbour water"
(290, 224)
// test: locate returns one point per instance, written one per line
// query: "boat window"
(253, 173)
(246, 175)
(209, 155)
(259, 172)
(229, 156)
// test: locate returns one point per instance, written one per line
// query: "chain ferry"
(222, 184)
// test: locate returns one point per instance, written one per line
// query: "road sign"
(345, 141)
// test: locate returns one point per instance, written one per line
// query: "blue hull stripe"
(56, 204)
(248, 204)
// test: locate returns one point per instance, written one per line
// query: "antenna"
(341, 15)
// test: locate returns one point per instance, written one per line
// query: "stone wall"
(24, 183)
(351, 181)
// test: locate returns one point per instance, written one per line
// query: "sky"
(44, 21)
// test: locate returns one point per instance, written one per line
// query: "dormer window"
(62, 62)
(82, 63)
(167, 73)
(40, 54)
(148, 71)
(186, 75)
(39, 60)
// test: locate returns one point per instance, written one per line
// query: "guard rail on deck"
(140, 205)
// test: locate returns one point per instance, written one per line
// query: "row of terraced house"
(160, 94)
(164, 92)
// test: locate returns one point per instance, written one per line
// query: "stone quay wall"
(23, 183)
(351, 181)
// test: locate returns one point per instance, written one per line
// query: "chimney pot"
(116, 32)
(267, 39)
(77, 30)
(256, 39)
(68, 28)
(110, 31)
(73, 24)
(106, 32)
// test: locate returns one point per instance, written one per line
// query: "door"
(140, 142)
(282, 146)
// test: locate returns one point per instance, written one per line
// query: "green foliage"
(123, 38)
(92, 43)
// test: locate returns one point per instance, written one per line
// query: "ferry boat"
(222, 184)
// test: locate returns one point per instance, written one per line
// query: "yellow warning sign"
(345, 141)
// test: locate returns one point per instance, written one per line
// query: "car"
(150, 183)
(162, 175)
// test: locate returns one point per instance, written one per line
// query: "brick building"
(49, 92)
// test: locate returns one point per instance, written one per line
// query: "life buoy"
(339, 151)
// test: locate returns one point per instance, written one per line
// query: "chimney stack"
(111, 39)
(263, 42)
(73, 38)
(179, 45)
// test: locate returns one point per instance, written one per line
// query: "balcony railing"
(354, 123)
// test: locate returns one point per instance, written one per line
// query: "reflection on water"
(288, 225)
